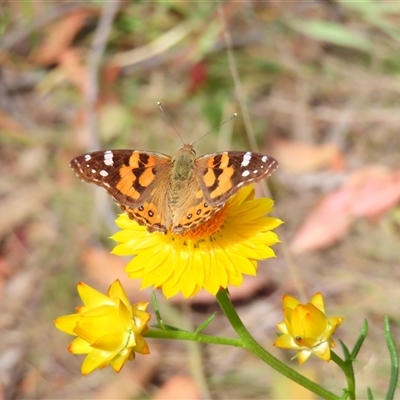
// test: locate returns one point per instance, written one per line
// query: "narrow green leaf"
(207, 322)
(330, 32)
(369, 394)
(346, 351)
(166, 327)
(394, 360)
(345, 395)
(154, 303)
(360, 340)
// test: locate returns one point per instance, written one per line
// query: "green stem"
(194, 337)
(257, 350)
(347, 368)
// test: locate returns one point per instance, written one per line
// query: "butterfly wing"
(217, 177)
(192, 209)
(131, 178)
(221, 175)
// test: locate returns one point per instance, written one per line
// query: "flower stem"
(194, 337)
(347, 368)
(251, 344)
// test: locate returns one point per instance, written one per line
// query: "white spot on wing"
(87, 157)
(108, 157)
(103, 173)
(246, 159)
(246, 173)
(93, 171)
(255, 171)
(264, 159)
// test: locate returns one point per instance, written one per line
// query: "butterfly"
(172, 194)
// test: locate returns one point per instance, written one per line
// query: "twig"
(93, 65)
(238, 84)
(239, 89)
(250, 134)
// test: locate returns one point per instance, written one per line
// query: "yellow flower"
(306, 328)
(108, 328)
(211, 256)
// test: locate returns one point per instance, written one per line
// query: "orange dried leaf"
(376, 190)
(298, 157)
(60, 36)
(328, 222)
(179, 388)
(368, 192)
(73, 67)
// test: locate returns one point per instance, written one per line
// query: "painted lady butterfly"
(174, 194)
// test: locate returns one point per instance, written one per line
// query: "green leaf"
(345, 350)
(360, 340)
(345, 395)
(207, 322)
(394, 360)
(171, 328)
(332, 33)
(154, 303)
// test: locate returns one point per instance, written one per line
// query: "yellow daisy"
(108, 328)
(306, 328)
(210, 257)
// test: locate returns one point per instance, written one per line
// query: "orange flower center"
(208, 228)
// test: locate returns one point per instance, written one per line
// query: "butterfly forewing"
(221, 175)
(128, 175)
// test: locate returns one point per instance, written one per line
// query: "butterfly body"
(174, 194)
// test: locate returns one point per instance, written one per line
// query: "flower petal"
(91, 296)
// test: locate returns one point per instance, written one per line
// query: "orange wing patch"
(218, 171)
(126, 182)
(224, 182)
(209, 177)
(147, 177)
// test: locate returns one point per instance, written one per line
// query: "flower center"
(209, 227)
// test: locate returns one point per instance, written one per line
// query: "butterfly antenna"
(170, 122)
(219, 126)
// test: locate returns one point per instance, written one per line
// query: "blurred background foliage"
(316, 85)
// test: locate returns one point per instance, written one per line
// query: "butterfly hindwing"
(221, 175)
